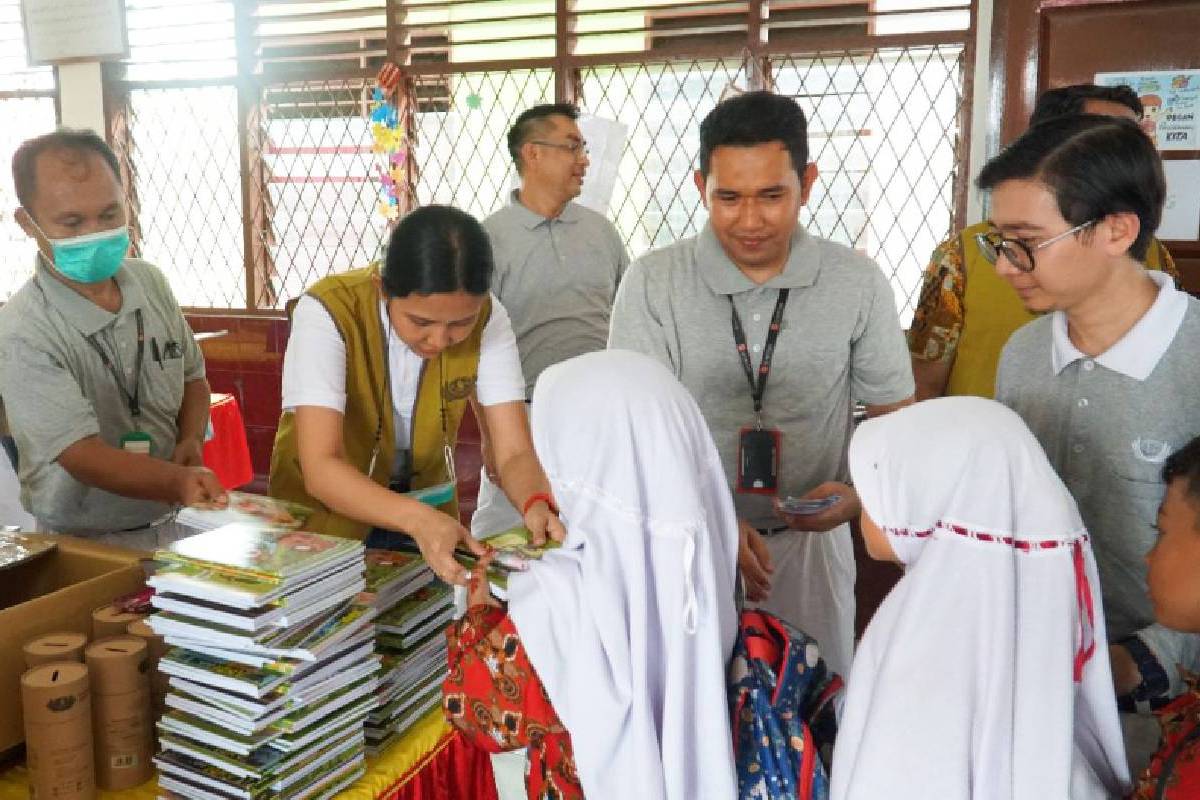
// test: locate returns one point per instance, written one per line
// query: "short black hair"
(530, 121)
(437, 249)
(1094, 165)
(755, 118)
(1184, 464)
(24, 160)
(1070, 100)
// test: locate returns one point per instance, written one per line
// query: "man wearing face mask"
(101, 379)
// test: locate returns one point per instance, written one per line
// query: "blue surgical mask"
(90, 258)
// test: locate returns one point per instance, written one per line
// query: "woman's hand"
(438, 534)
(542, 522)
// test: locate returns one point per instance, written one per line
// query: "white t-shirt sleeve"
(314, 366)
(500, 379)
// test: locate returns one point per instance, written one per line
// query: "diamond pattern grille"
(182, 153)
(462, 123)
(655, 201)
(319, 186)
(25, 117)
(884, 131)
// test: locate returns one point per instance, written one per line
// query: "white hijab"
(983, 674)
(630, 625)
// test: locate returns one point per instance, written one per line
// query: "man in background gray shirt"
(776, 333)
(557, 265)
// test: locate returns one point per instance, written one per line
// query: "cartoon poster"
(1172, 103)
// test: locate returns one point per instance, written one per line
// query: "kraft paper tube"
(122, 725)
(159, 683)
(58, 731)
(64, 646)
(111, 621)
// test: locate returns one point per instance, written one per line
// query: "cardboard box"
(55, 592)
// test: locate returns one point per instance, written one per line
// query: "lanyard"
(135, 408)
(757, 390)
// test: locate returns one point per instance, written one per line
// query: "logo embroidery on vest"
(459, 388)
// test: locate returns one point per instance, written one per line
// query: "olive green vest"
(992, 312)
(368, 431)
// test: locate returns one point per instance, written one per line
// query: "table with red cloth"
(430, 762)
(227, 453)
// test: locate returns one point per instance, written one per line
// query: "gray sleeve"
(621, 251)
(47, 411)
(1172, 649)
(880, 366)
(635, 323)
(1003, 388)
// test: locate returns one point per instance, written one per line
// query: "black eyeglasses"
(1016, 252)
(576, 149)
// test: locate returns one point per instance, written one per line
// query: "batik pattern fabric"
(492, 694)
(1174, 772)
(783, 717)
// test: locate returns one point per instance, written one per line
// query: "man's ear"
(701, 186)
(807, 180)
(1117, 232)
(23, 219)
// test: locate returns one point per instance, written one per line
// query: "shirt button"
(757, 317)
(1088, 364)
(1083, 402)
(755, 348)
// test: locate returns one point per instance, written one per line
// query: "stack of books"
(251, 509)
(272, 667)
(413, 610)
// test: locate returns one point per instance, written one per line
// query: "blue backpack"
(784, 722)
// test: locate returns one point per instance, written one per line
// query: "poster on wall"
(1171, 101)
(61, 31)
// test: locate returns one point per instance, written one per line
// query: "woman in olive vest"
(380, 366)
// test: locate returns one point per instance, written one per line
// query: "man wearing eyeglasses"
(1108, 378)
(557, 265)
(955, 352)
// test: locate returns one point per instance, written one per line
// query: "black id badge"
(758, 461)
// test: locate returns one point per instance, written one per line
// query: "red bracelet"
(533, 498)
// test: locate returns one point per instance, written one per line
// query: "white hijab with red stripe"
(985, 672)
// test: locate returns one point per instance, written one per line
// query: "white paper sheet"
(1181, 212)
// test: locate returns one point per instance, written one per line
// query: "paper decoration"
(389, 142)
(1171, 101)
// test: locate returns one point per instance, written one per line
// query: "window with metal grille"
(27, 107)
(285, 187)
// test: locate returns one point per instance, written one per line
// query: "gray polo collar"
(84, 315)
(531, 220)
(723, 277)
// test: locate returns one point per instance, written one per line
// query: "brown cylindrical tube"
(62, 646)
(58, 731)
(159, 683)
(122, 722)
(111, 621)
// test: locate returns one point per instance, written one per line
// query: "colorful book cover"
(254, 509)
(417, 607)
(258, 551)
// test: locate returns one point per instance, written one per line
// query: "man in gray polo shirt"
(1109, 379)
(706, 307)
(557, 264)
(101, 379)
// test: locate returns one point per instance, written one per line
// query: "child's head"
(1175, 558)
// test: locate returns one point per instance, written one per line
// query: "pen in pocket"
(154, 351)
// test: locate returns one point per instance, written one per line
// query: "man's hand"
(1125, 672)
(543, 522)
(754, 561)
(188, 453)
(844, 510)
(197, 486)
(437, 535)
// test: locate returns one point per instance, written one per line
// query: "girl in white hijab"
(630, 624)
(984, 674)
